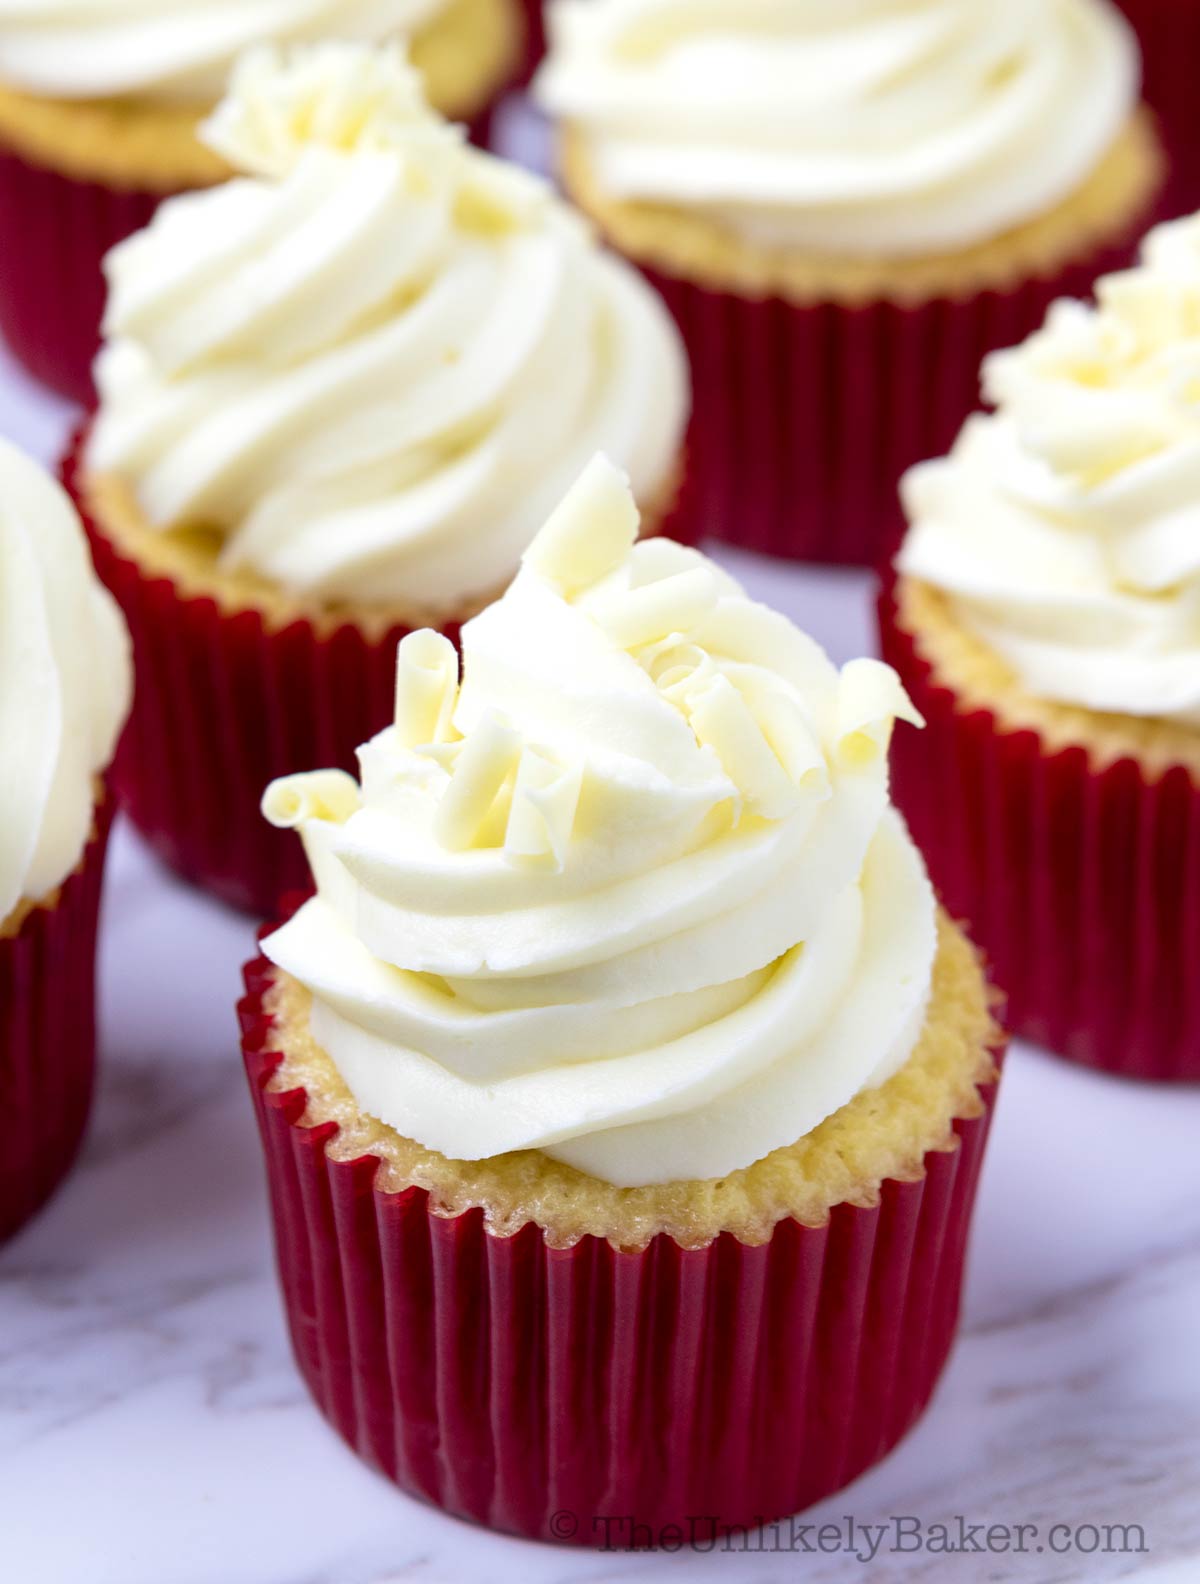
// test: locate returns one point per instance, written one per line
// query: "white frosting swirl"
(377, 363)
(1066, 525)
(634, 894)
(178, 51)
(66, 682)
(872, 128)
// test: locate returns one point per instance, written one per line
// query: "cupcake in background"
(623, 1077)
(844, 213)
(1169, 35)
(65, 681)
(339, 396)
(100, 102)
(1046, 620)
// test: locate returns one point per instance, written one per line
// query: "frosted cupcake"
(623, 1076)
(65, 682)
(845, 212)
(1047, 622)
(338, 398)
(99, 106)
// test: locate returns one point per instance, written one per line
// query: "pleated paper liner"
(535, 37)
(805, 417)
(224, 703)
(1169, 34)
(599, 1396)
(55, 232)
(1082, 885)
(48, 1037)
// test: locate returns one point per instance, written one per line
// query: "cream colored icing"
(1066, 524)
(65, 683)
(877, 128)
(174, 50)
(377, 361)
(633, 893)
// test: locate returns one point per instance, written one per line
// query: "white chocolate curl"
(290, 802)
(646, 907)
(343, 97)
(426, 688)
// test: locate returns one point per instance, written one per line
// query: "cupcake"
(65, 681)
(1046, 620)
(338, 397)
(100, 102)
(844, 213)
(623, 1082)
(1169, 35)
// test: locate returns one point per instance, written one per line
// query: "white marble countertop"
(154, 1431)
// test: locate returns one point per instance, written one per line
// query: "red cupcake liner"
(600, 1396)
(55, 232)
(223, 705)
(535, 38)
(805, 417)
(1082, 885)
(1169, 34)
(48, 1037)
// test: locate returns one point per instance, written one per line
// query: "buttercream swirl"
(376, 362)
(1065, 525)
(65, 683)
(178, 51)
(879, 128)
(633, 893)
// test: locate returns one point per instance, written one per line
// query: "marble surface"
(153, 1429)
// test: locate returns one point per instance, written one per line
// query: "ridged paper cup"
(535, 36)
(48, 1035)
(56, 230)
(597, 1395)
(1169, 34)
(1079, 879)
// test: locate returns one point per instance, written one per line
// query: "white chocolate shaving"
(426, 688)
(591, 532)
(316, 795)
(542, 815)
(487, 759)
(871, 699)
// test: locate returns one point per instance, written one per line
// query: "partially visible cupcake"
(338, 398)
(1047, 623)
(100, 102)
(623, 1080)
(1169, 35)
(65, 680)
(846, 207)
